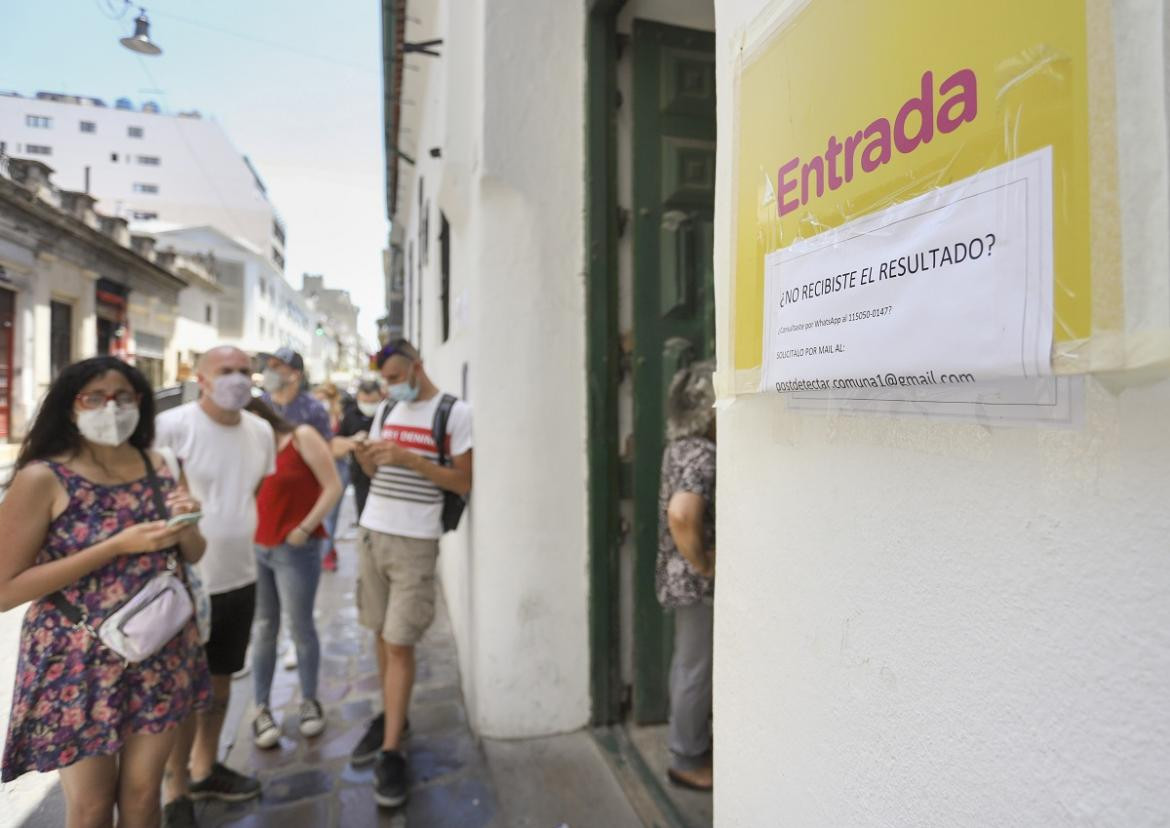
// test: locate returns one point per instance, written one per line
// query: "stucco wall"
(924, 624)
(509, 121)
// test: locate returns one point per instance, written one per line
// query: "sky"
(296, 85)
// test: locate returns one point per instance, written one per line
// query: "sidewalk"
(459, 781)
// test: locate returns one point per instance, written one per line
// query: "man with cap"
(284, 391)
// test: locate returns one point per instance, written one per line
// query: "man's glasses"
(98, 399)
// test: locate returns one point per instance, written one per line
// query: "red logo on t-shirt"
(410, 437)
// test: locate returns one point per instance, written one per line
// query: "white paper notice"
(953, 287)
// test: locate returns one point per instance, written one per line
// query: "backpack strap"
(384, 409)
(439, 426)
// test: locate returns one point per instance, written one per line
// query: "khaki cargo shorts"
(396, 585)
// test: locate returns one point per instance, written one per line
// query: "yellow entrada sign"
(846, 108)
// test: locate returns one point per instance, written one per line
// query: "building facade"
(75, 284)
(144, 165)
(336, 336)
(983, 646)
(257, 310)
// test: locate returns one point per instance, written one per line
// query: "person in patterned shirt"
(685, 571)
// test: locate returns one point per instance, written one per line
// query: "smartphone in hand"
(184, 519)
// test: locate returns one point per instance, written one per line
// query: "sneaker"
(312, 718)
(226, 785)
(329, 562)
(265, 730)
(390, 787)
(179, 813)
(371, 744)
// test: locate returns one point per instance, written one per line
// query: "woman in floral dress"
(80, 516)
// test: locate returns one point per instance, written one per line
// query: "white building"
(980, 639)
(145, 165)
(258, 310)
(337, 329)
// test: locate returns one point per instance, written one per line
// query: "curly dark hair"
(54, 433)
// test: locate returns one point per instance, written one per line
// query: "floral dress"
(74, 698)
(688, 465)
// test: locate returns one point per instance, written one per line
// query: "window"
(88, 126)
(263, 288)
(145, 188)
(144, 215)
(445, 273)
(114, 157)
(38, 149)
(38, 121)
(60, 336)
(263, 326)
(207, 315)
(149, 160)
(134, 132)
(279, 259)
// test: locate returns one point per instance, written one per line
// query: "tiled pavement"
(309, 782)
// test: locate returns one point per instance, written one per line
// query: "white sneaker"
(265, 731)
(312, 718)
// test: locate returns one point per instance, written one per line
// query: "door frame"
(602, 359)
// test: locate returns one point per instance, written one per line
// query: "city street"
(459, 781)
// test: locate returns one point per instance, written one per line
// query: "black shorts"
(231, 627)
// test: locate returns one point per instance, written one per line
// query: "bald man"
(226, 453)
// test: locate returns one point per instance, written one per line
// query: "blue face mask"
(403, 392)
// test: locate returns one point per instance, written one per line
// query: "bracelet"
(308, 534)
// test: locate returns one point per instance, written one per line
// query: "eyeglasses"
(98, 399)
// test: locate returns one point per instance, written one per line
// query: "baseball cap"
(286, 355)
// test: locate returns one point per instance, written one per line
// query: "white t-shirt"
(224, 466)
(403, 502)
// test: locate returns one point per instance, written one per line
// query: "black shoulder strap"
(439, 426)
(160, 502)
(384, 409)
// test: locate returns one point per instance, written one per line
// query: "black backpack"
(453, 504)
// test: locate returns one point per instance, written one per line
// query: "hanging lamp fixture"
(140, 41)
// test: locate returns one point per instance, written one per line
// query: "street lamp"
(140, 41)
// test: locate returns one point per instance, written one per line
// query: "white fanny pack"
(149, 618)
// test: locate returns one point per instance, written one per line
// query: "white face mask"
(110, 425)
(273, 380)
(231, 392)
(368, 409)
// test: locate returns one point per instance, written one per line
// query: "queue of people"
(155, 550)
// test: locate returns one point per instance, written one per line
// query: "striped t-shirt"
(403, 502)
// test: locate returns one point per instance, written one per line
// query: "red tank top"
(286, 497)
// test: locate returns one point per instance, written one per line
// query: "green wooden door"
(674, 320)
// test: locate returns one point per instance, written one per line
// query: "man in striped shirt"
(399, 542)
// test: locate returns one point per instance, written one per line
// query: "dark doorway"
(674, 314)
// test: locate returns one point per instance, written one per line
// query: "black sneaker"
(390, 779)
(179, 813)
(226, 785)
(312, 718)
(371, 744)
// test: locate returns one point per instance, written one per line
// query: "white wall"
(511, 182)
(927, 624)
